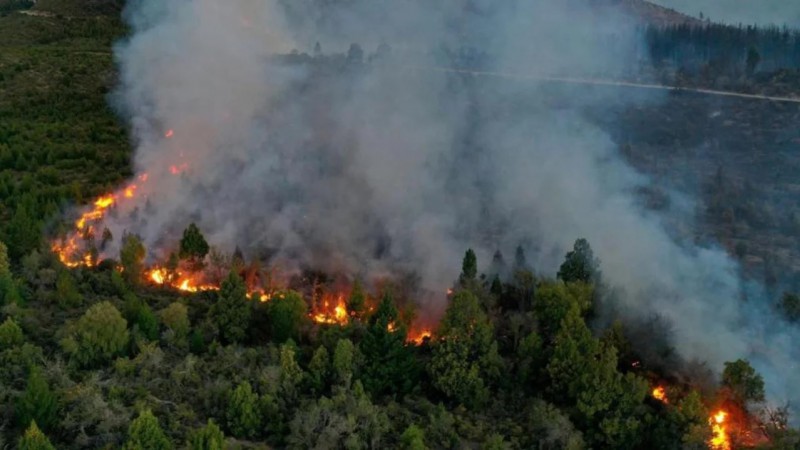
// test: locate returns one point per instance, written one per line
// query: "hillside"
(650, 13)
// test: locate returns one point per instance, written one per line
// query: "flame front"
(719, 439)
(660, 394)
(332, 314)
(417, 337)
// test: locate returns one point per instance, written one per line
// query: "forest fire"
(332, 314)
(720, 439)
(177, 280)
(660, 394)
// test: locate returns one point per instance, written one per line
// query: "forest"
(104, 357)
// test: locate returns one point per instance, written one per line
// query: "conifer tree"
(145, 433)
(37, 403)
(209, 437)
(34, 439)
(389, 366)
(231, 313)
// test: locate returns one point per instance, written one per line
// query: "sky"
(762, 12)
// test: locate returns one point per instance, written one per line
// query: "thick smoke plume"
(392, 166)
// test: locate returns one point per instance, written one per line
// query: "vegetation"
(95, 358)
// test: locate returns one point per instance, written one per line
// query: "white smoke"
(392, 165)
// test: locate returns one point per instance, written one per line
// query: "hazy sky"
(741, 11)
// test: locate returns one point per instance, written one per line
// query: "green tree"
(554, 301)
(580, 264)
(287, 314)
(131, 256)
(193, 246)
(583, 373)
(469, 268)
(66, 291)
(344, 361)
(145, 433)
(231, 313)
(319, 369)
(244, 417)
(176, 318)
(98, 336)
(146, 322)
(389, 366)
(745, 384)
(790, 306)
(291, 374)
(10, 334)
(5, 265)
(753, 59)
(357, 302)
(34, 439)
(37, 403)
(413, 438)
(465, 358)
(23, 232)
(209, 437)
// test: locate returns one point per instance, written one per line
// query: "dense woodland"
(97, 358)
(742, 58)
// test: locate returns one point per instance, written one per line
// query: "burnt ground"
(739, 160)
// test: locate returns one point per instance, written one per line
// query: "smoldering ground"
(376, 166)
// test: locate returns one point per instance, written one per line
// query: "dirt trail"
(600, 82)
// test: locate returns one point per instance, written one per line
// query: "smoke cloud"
(393, 166)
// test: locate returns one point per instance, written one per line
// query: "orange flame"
(720, 439)
(418, 337)
(660, 394)
(332, 314)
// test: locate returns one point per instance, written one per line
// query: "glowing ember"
(719, 439)
(391, 327)
(660, 394)
(177, 170)
(130, 191)
(169, 134)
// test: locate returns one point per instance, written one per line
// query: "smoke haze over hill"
(391, 167)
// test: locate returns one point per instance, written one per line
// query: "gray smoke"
(393, 166)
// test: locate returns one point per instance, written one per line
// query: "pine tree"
(131, 256)
(10, 334)
(37, 403)
(287, 313)
(469, 268)
(231, 313)
(465, 359)
(210, 437)
(99, 335)
(5, 265)
(146, 434)
(357, 301)
(580, 264)
(389, 366)
(193, 246)
(23, 230)
(34, 439)
(244, 418)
